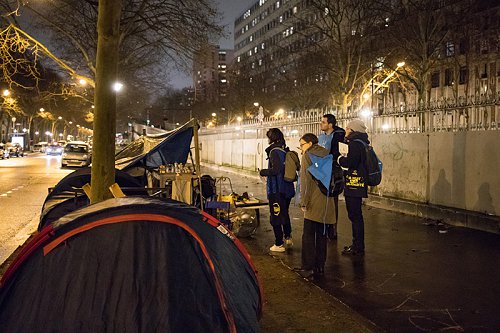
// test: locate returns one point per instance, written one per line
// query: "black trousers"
(285, 228)
(314, 239)
(353, 205)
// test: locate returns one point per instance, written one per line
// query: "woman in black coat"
(355, 183)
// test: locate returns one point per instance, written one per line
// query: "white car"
(76, 153)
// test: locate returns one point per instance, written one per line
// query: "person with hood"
(355, 187)
(279, 191)
(318, 211)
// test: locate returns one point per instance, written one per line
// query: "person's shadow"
(484, 202)
(441, 191)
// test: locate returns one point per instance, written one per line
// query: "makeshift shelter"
(150, 152)
(68, 195)
(132, 264)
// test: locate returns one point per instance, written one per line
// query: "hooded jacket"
(319, 207)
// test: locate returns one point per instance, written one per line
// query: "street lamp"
(117, 86)
(256, 104)
(6, 93)
(42, 110)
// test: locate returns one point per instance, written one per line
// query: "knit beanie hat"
(357, 126)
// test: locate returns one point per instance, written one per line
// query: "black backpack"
(373, 165)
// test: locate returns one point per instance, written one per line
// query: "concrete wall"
(452, 169)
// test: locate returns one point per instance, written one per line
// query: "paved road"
(23, 186)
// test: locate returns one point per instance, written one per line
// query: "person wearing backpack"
(317, 208)
(329, 138)
(279, 191)
(355, 183)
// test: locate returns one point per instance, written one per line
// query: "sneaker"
(351, 251)
(277, 248)
(288, 242)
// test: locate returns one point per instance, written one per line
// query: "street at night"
(249, 166)
(23, 187)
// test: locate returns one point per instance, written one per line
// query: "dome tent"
(132, 264)
(68, 195)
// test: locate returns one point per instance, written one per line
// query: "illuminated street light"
(214, 114)
(83, 82)
(117, 86)
(366, 96)
(366, 112)
(42, 110)
(36, 133)
(256, 104)
(6, 92)
(59, 117)
(239, 119)
(401, 64)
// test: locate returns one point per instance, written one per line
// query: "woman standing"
(318, 211)
(355, 186)
(279, 191)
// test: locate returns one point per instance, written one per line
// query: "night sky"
(230, 9)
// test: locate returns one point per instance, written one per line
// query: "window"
(450, 49)
(435, 80)
(448, 77)
(462, 77)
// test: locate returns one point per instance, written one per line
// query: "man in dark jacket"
(355, 186)
(329, 139)
(279, 191)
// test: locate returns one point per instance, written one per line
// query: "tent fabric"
(68, 196)
(152, 151)
(134, 264)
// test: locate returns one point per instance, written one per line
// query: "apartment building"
(276, 41)
(210, 74)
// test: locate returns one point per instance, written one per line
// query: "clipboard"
(343, 148)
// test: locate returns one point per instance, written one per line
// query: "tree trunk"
(103, 161)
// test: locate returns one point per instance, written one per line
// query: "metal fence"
(472, 114)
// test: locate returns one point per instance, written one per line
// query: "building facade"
(210, 74)
(280, 54)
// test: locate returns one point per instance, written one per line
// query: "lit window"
(255, 49)
(281, 19)
(260, 62)
(277, 4)
(250, 80)
(295, 9)
(263, 46)
(223, 66)
(239, 59)
(327, 11)
(223, 81)
(251, 38)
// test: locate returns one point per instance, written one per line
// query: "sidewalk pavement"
(417, 274)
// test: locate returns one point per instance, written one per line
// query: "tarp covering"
(152, 151)
(132, 265)
(68, 196)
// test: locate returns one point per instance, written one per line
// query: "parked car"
(40, 146)
(4, 152)
(76, 153)
(15, 149)
(54, 149)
